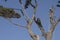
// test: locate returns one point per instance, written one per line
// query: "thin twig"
(34, 12)
(52, 20)
(16, 24)
(25, 16)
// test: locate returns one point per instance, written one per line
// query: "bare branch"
(52, 20)
(32, 35)
(38, 22)
(34, 12)
(27, 3)
(24, 12)
(16, 24)
(51, 14)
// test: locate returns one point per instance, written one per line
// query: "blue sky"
(9, 31)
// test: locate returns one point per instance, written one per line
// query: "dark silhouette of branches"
(59, 1)
(28, 2)
(38, 22)
(58, 5)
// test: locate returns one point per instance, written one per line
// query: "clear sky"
(9, 31)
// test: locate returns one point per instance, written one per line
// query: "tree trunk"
(49, 36)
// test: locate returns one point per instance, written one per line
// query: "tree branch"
(16, 24)
(24, 13)
(38, 22)
(51, 14)
(32, 35)
(34, 11)
(52, 20)
(29, 22)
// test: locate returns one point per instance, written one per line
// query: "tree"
(10, 13)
